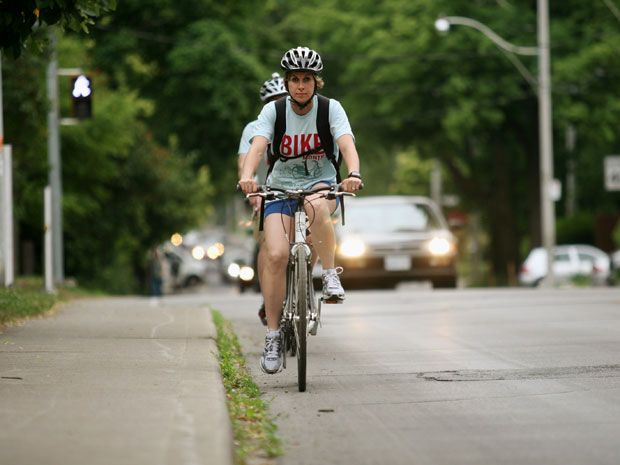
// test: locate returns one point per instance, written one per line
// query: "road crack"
(593, 371)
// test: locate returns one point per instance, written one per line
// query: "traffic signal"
(81, 93)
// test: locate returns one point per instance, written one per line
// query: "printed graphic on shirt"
(304, 167)
(300, 143)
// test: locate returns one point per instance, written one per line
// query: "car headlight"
(439, 246)
(215, 251)
(352, 247)
(246, 273)
(198, 252)
(233, 270)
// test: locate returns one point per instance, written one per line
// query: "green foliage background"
(176, 81)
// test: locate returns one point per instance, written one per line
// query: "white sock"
(273, 332)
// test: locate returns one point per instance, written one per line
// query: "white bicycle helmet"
(274, 87)
(302, 59)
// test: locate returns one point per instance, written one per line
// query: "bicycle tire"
(301, 310)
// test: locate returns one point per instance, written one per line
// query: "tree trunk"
(502, 215)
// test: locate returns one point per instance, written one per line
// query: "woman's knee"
(319, 209)
(275, 258)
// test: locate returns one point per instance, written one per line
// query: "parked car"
(388, 239)
(569, 263)
(185, 269)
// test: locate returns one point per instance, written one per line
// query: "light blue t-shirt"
(244, 148)
(301, 135)
(246, 138)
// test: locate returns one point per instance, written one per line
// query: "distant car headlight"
(215, 251)
(439, 246)
(352, 247)
(246, 273)
(198, 252)
(234, 270)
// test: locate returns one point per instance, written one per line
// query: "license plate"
(397, 262)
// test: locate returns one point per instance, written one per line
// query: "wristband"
(354, 174)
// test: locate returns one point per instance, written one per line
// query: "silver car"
(387, 239)
(570, 262)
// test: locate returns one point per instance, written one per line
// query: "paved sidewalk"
(111, 382)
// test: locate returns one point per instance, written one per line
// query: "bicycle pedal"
(313, 326)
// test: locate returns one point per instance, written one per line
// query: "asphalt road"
(509, 376)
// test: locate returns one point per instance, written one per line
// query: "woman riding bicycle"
(291, 171)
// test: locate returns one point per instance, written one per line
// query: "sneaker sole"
(269, 372)
(333, 299)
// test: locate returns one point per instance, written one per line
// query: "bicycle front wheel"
(301, 313)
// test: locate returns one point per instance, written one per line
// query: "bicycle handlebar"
(272, 192)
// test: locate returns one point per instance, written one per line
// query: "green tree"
(19, 19)
(25, 128)
(123, 192)
(201, 65)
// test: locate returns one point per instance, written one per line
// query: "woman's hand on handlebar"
(351, 184)
(248, 185)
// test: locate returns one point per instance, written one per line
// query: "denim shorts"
(288, 206)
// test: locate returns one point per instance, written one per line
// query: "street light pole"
(53, 149)
(545, 125)
(2, 240)
(546, 138)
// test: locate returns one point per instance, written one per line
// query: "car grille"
(377, 263)
(397, 249)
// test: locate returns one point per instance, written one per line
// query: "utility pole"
(546, 139)
(571, 184)
(436, 186)
(2, 241)
(53, 153)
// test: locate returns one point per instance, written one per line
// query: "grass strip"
(27, 299)
(255, 433)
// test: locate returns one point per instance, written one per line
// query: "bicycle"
(300, 314)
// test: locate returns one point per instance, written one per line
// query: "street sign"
(555, 190)
(612, 172)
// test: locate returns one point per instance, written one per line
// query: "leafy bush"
(578, 229)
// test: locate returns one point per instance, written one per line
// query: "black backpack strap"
(273, 151)
(327, 141)
(325, 134)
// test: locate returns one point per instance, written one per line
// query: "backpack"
(325, 136)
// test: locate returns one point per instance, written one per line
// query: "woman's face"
(301, 86)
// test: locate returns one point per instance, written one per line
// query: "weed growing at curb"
(254, 431)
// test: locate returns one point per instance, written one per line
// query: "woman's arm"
(348, 151)
(252, 159)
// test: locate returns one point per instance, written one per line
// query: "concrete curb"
(221, 432)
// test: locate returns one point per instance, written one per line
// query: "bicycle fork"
(314, 313)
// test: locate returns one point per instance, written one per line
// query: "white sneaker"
(332, 289)
(271, 360)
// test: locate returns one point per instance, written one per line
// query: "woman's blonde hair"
(318, 80)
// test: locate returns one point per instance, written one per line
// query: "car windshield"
(385, 218)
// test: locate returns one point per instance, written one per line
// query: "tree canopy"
(20, 19)
(181, 79)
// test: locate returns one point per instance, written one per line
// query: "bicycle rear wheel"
(301, 313)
